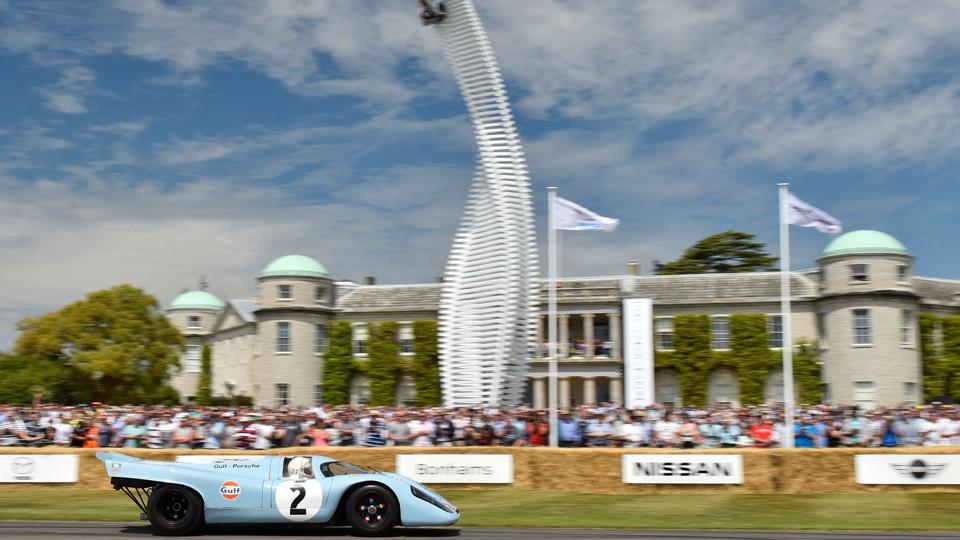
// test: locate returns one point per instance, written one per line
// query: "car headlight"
(439, 503)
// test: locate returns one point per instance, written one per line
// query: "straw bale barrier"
(580, 470)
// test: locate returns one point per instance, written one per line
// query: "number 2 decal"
(298, 500)
(294, 511)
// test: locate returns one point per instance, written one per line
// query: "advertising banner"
(682, 469)
(38, 468)
(457, 468)
(915, 469)
(638, 352)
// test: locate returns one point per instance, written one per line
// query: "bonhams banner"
(457, 468)
(38, 468)
(915, 469)
(682, 469)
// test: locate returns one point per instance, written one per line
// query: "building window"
(775, 329)
(359, 339)
(859, 273)
(406, 338)
(906, 327)
(863, 394)
(823, 329)
(320, 346)
(903, 273)
(192, 362)
(862, 334)
(281, 394)
(909, 393)
(283, 337)
(284, 292)
(320, 293)
(193, 323)
(664, 327)
(318, 394)
(720, 333)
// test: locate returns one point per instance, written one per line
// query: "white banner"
(457, 468)
(915, 469)
(638, 352)
(570, 216)
(38, 468)
(682, 469)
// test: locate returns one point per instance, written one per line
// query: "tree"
(113, 346)
(338, 365)
(206, 378)
(726, 252)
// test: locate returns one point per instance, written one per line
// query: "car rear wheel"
(372, 511)
(174, 510)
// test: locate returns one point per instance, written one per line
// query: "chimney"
(370, 280)
(439, 279)
(633, 268)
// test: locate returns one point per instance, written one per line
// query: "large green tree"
(726, 252)
(114, 346)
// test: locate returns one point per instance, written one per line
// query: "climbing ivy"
(940, 356)
(338, 364)
(383, 364)
(750, 357)
(206, 378)
(426, 363)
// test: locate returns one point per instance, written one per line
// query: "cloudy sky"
(150, 142)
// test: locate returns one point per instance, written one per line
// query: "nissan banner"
(682, 469)
(38, 468)
(912, 469)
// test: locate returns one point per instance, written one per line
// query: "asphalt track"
(79, 530)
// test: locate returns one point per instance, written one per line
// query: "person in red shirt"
(761, 431)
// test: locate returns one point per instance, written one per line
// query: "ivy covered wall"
(426, 363)
(940, 356)
(338, 364)
(749, 357)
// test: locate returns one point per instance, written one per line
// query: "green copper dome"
(295, 265)
(863, 242)
(197, 300)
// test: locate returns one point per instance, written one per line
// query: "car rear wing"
(116, 456)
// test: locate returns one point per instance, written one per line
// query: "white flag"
(570, 216)
(804, 215)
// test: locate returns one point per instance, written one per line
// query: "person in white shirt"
(631, 434)
(62, 432)
(665, 431)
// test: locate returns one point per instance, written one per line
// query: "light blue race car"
(178, 498)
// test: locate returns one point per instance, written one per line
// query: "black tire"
(175, 510)
(372, 511)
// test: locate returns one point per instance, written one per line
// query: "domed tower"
(295, 305)
(868, 321)
(194, 314)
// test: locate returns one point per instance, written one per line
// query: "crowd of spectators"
(239, 428)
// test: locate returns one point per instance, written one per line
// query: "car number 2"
(298, 500)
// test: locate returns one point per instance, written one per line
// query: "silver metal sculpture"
(489, 300)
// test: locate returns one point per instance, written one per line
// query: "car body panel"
(255, 490)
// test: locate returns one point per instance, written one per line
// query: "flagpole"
(552, 312)
(787, 345)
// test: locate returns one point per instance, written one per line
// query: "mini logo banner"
(230, 490)
(901, 469)
(457, 468)
(682, 469)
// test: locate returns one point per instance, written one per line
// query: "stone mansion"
(860, 304)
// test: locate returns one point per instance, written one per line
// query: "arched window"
(723, 387)
(666, 385)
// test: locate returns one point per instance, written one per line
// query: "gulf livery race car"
(178, 498)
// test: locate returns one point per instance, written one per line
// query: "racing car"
(178, 498)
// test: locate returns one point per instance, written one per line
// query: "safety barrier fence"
(581, 470)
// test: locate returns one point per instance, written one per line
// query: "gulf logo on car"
(229, 490)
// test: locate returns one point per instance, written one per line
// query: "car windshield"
(340, 468)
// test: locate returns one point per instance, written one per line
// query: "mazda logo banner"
(38, 468)
(908, 469)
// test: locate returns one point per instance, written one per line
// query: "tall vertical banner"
(638, 352)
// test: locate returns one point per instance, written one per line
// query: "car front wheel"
(372, 511)
(175, 510)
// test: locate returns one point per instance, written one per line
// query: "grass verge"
(514, 508)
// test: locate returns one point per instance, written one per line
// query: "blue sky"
(150, 142)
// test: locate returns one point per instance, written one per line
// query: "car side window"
(298, 467)
(338, 468)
